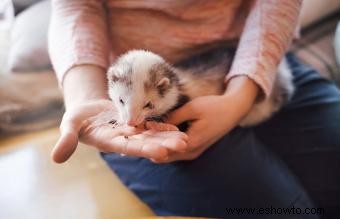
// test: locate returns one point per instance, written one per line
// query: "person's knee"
(236, 171)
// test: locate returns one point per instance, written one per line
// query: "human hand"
(212, 117)
(89, 123)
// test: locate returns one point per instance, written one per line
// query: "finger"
(101, 136)
(136, 147)
(196, 145)
(167, 134)
(159, 126)
(64, 148)
(183, 114)
(197, 132)
(106, 131)
(76, 116)
(122, 141)
(177, 145)
(70, 126)
(67, 142)
(173, 140)
(175, 156)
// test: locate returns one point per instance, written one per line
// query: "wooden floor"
(32, 186)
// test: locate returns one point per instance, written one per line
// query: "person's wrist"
(242, 92)
(242, 83)
(84, 83)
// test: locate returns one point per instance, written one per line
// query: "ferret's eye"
(148, 105)
(121, 100)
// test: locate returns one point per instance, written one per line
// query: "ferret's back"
(204, 74)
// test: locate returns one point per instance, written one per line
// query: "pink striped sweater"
(96, 31)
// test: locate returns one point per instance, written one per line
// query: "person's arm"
(78, 35)
(268, 31)
(84, 83)
(79, 50)
(266, 36)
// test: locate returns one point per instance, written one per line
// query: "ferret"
(144, 86)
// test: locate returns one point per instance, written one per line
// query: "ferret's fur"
(140, 77)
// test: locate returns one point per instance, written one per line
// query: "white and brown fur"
(143, 85)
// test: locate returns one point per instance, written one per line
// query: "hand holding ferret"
(211, 123)
(88, 123)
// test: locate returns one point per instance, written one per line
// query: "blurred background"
(31, 108)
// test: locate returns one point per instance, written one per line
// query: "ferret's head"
(142, 85)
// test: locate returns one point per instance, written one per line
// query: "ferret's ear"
(112, 74)
(163, 83)
(114, 78)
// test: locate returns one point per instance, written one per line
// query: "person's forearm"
(77, 36)
(83, 83)
(266, 37)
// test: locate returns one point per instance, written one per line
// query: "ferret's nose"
(132, 122)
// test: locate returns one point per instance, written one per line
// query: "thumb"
(182, 114)
(68, 140)
(70, 126)
(66, 145)
(160, 126)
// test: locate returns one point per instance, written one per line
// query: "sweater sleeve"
(78, 35)
(267, 34)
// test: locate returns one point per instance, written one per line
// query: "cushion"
(29, 39)
(315, 10)
(30, 101)
(20, 5)
(337, 43)
(316, 47)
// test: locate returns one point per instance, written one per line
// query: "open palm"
(91, 124)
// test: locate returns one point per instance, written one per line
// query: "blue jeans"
(292, 160)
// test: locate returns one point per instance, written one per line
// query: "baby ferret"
(144, 86)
